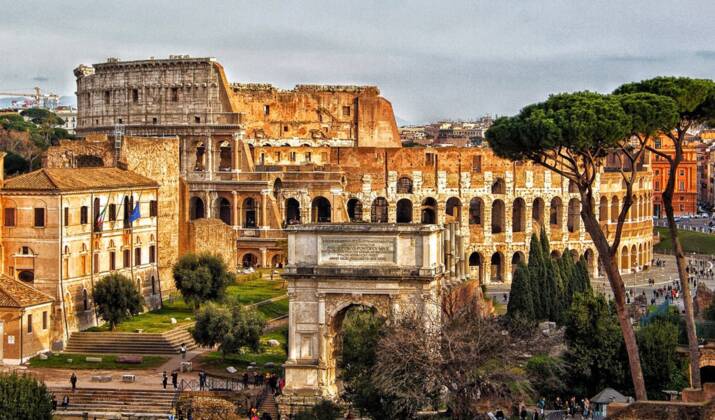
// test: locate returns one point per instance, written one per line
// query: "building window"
(153, 208)
(44, 320)
(9, 217)
(277, 156)
(346, 111)
(308, 156)
(174, 94)
(681, 186)
(95, 263)
(112, 212)
(120, 121)
(83, 215)
(657, 171)
(29, 323)
(154, 120)
(292, 156)
(430, 159)
(135, 95)
(25, 250)
(39, 217)
(152, 254)
(682, 172)
(107, 97)
(112, 260)
(657, 185)
(266, 109)
(137, 257)
(66, 216)
(197, 120)
(127, 258)
(657, 143)
(285, 128)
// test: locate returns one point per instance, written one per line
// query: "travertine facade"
(260, 159)
(394, 269)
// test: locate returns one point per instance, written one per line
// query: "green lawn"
(248, 289)
(272, 310)
(701, 243)
(255, 290)
(156, 321)
(214, 362)
(59, 361)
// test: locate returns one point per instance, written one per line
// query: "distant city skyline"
(432, 61)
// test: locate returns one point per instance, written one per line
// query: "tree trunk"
(619, 289)
(681, 263)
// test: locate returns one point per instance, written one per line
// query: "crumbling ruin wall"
(215, 237)
(74, 153)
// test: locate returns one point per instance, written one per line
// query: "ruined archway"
(497, 267)
(516, 259)
(537, 211)
(499, 186)
(574, 217)
(404, 211)
(320, 210)
(498, 217)
(196, 208)
(476, 266)
(429, 211)
(223, 210)
(555, 212)
(250, 213)
(603, 210)
(378, 211)
(292, 212)
(518, 215)
(615, 209)
(89, 161)
(404, 185)
(355, 210)
(453, 210)
(476, 211)
(249, 260)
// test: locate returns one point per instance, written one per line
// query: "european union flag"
(135, 214)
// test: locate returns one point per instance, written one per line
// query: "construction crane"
(47, 100)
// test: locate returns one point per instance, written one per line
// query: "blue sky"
(449, 59)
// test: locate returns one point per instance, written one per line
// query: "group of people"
(271, 380)
(174, 379)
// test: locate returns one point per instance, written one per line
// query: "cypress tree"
(584, 276)
(520, 297)
(535, 270)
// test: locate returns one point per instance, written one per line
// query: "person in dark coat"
(73, 381)
(175, 379)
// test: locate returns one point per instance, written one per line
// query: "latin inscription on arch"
(352, 250)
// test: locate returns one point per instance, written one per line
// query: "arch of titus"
(395, 269)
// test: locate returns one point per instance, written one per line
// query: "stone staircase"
(268, 404)
(114, 403)
(130, 343)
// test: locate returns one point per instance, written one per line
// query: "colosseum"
(254, 159)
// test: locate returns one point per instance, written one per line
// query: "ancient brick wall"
(215, 237)
(158, 159)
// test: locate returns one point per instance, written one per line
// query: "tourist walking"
(202, 380)
(182, 350)
(164, 379)
(175, 378)
(73, 381)
(65, 402)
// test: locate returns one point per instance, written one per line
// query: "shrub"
(24, 397)
(117, 299)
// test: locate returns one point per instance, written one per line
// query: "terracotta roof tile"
(76, 179)
(16, 294)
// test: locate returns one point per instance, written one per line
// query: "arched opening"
(225, 156)
(453, 210)
(498, 216)
(277, 187)
(200, 156)
(615, 209)
(320, 210)
(574, 216)
(497, 267)
(355, 210)
(250, 213)
(249, 260)
(292, 212)
(429, 211)
(378, 211)
(589, 256)
(707, 374)
(277, 261)
(27, 276)
(196, 208)
(624, 258)
(404, 211)
(516, 259)
(555, 212)
(475, 265)
(603, 210)
(223, 210)
(518, 215)
(499, 186)
(404, 185)
(476, 211)
(634, 257)
(537, 211)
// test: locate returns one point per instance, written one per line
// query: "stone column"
(209, 157)
(264, 259)
(234, 210)
(209, 204)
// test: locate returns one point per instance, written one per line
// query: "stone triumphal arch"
(394, 269)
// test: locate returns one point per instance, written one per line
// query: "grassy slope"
(277, 355)
(701, 243)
